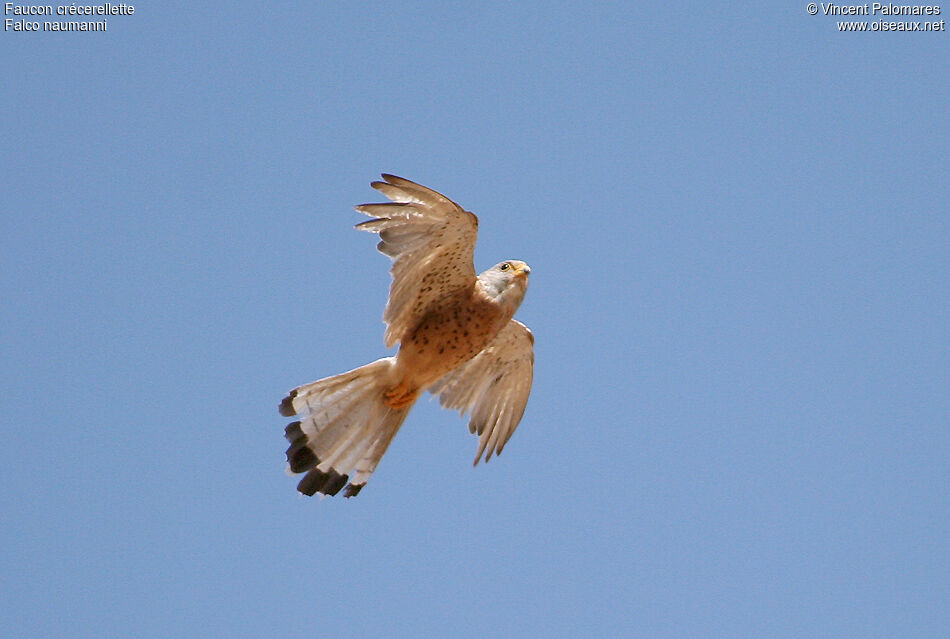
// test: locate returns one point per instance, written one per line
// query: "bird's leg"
(401, 396)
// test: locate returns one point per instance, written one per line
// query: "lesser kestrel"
(456, 338)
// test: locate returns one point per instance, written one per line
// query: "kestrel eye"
(505, 266)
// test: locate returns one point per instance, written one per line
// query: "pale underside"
(431, 241)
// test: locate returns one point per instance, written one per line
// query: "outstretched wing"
(493, 387)
(431, 241)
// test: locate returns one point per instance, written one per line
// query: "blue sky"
(737, 220)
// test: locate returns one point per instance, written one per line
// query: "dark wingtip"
(286, 407)
(317, 481)
(353, 490)
(293, 432)
(300, 457)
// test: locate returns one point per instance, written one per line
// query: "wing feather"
(493, 388)
(431, 241)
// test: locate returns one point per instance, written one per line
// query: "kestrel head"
(506, 282)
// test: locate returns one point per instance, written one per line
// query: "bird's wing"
(493, 387)
(431, 241)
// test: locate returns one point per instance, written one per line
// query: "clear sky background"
(738, 223)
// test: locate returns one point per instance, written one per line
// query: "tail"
(345, 427)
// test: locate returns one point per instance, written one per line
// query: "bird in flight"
(457, 339)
